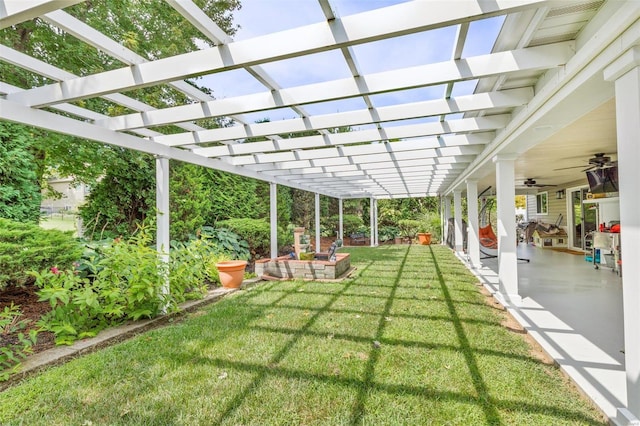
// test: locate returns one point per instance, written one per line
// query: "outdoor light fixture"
(560, 194)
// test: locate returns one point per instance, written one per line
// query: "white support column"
(507, 257)
(625, 72)
(447, 214)
(473, 240)
(371, 224)
(457, 214)
(340, 224)
(273, 199)
(376, 221)
(317, 222)
(162, 216)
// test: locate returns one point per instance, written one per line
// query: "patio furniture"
(357, 238)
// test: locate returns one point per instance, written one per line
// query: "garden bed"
(287, 268)
(26, 298)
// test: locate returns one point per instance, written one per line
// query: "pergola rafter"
(383, 150)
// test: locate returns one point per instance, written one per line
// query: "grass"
(303, 353)
(59, 222)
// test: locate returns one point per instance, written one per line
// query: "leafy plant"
(12, 351)
(430, 222)
(25, 246)
(256, 232)
(126, 282)
(387, 233)
(192, 267)
(226, 242)
(409, 227)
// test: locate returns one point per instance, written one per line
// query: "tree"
(19, 191)
(165, 35)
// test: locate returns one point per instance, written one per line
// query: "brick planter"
(284, 267)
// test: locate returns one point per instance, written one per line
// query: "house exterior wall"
(555, 206)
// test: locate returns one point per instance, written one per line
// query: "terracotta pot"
(424, 238)
(231, 272)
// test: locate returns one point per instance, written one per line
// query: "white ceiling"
(420, 127)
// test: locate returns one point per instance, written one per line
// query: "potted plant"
(429, 228)
(424, 238)
(231, 272)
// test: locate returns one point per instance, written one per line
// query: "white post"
(273, 199)
(506, 232)
(340, 224)
(625, 71)
(371, 224)
(473, 241)
(162, 217)
(317, 222)
(447, 215)
(375, 220)
(457, 214)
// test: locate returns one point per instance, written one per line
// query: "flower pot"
(397, 240)
(231, 272)
(424, 238)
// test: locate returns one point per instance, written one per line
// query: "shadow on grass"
(490, 407)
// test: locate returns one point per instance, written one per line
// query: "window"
(541, 203)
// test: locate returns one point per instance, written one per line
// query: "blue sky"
(259, 17)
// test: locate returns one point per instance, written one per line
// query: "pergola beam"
(481, 124)
(16, 11)
(504, 99)
(411, 17)
(529, 59)
(46, 120)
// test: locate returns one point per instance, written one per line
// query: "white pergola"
(551, 64)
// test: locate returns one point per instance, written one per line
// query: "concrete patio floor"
(575, 313)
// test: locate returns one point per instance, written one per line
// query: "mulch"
(32, 310)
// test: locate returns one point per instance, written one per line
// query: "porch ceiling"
(421, 127)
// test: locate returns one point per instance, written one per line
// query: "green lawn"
(59, 222)
(303, 353)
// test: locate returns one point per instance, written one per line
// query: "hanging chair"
(487, 237)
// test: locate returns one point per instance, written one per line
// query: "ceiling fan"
(598, 161)
(531, 183)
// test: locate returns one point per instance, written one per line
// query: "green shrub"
(351, 223)
(225, 242)
(387, 233)
(13, 351)
(25, 247)
(192, 267)
(256, 232)
(430, 222)
(409, 227)
(119, 280)
(128, 284)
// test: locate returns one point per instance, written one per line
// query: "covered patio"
(578, 322)
(558, 83)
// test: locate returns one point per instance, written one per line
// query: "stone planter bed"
(286, 268)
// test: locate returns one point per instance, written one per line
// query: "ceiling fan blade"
(567, 168)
